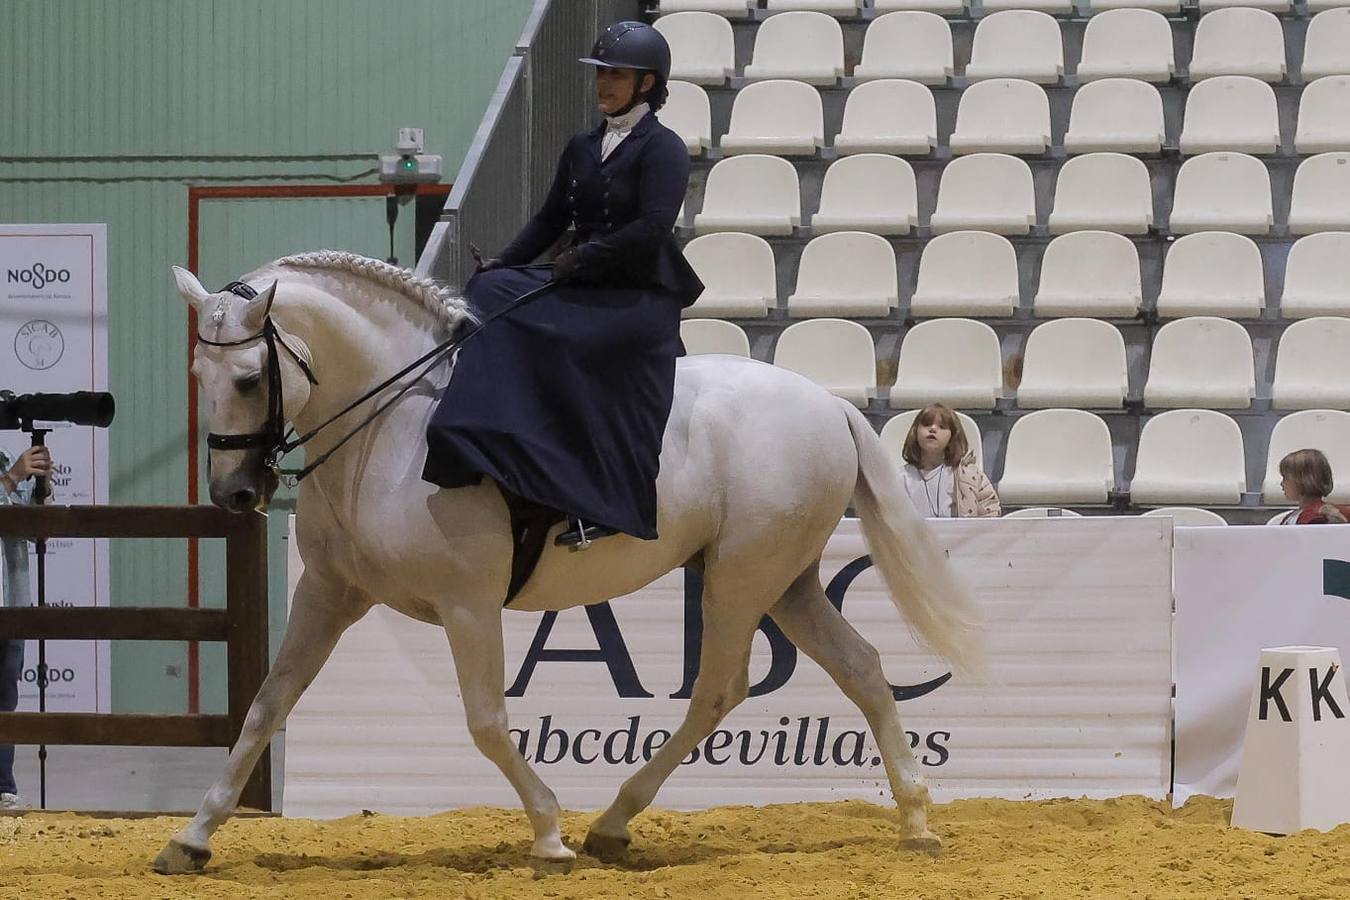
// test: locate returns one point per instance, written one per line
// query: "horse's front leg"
(320, 613)
(475, 633)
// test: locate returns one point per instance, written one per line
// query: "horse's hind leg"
(729, 621)
(812, 623)
(319, 615)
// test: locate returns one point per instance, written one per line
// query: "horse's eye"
(248, 383)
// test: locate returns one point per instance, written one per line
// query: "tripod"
(41, 490)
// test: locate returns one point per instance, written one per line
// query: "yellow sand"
(995, 849)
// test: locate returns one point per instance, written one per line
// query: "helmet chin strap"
(633, 100)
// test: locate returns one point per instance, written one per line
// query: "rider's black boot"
(580, 536)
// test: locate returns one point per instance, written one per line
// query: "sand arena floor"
(995, 849)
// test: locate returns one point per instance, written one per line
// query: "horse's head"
(251, 383)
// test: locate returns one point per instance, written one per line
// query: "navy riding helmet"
(634, 45)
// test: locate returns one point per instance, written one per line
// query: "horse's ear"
(190, 287)
(258, 308)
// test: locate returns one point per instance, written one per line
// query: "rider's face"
(614, 88)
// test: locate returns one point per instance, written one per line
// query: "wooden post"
(247, 646)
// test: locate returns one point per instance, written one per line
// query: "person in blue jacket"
(564, 401)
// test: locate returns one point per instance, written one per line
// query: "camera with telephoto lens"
(79, 408)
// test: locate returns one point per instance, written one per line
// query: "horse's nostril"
(243, 499)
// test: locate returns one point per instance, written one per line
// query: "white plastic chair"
(1166, 7)
(849, 273)
(1058, 456)
(1238, 41)
(985, 191)
(868, 192)
(753, 193)
(888, 116)
(951, 361)
(1222, 192)
(1321, 195)
(966, 273)
(1189, 456)
(1127, 43)
(806, 46)
(1002, 115)
(839, 8)
(1231, 112)
(1213, 273)
(1042, 512)
(1201, 361)
(780, 117)
(1089, 273)
(1187, 516)
(895, 430)
(732, 9)
(1310, 370)
(1315, 6)
(687, 113)
(1324, 116)
(1073, 362)
(941, 7)
(915, 45)
(836, 354)
(702, 336)
(702, 47)
(1017, 43)
(1275, 6)
(1053, 7)
(1326, 46)
(1102, 192)
(1317, 276)
(738, 275)
(1327, 430)
(1115, 114)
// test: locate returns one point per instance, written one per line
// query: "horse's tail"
(934, 600)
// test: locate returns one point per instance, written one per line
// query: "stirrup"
(580, 536)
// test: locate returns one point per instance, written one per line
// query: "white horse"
(757, 466)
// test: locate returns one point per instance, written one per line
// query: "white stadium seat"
(1213, 273)
(1102, 192)
(1166, 7)
(1321, 195)
(1222, 192)
(807, 46)
(780, 117)
(1042, 512)
(1201, 361)
(1073, 362)
(985, 191)
(1127, 43)
(1058, 456)
(1310, 370)
(1238, 41)
(1189, 456)
(1002, 115)
(836, 354)
(1327, 430)
(888, 116)
(702, 47)
(737, 271)
(1316, 6)
(941, 7)
(915, 45)
(1053, 7)
(1017, 43)
(1324, 116)
(688, 114)
(966, 273)
(1275, 6)
(756, 194)
(733, 9)
(1115, 114)
(1187, 516)
(951, 361)
(897, 427)
(1317, 276)
(842, 8)
(1089, 273)
(1326, 46)
(849, 273)
(868, 192)
(1231, 112)
(702, 336)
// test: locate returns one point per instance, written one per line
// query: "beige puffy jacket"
(974, 495)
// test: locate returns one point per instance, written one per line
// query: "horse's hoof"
(606, 847)
(927, 842)
(544, 867)
(178, 858)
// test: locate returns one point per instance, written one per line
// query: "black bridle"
(275, 439)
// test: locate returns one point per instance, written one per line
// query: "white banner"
(54, 339)
(1239, 590)
(1078, 615)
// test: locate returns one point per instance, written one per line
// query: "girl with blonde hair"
(941, 474)
(1305, 478)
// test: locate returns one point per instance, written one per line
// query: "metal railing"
(541, 100)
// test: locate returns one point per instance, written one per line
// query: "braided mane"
(442, 303)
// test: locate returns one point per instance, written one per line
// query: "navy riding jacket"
(623, 209)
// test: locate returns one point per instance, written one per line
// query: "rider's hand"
(487, 265)
(566, 264)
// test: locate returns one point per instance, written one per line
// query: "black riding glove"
(566, 264)
(483, 265)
